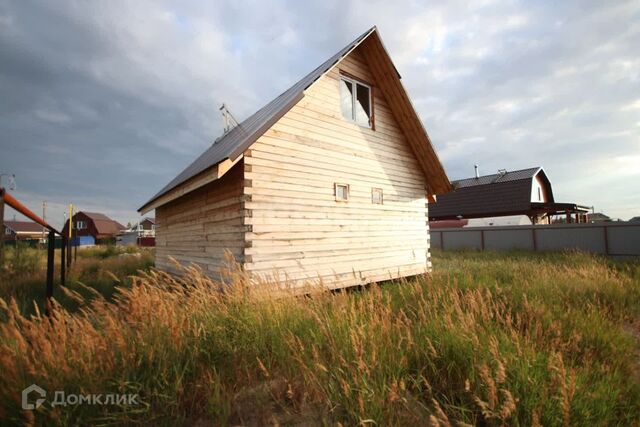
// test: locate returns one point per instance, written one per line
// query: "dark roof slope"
(489, 195)
(96, 216)
(497, 177)
(108, 226)
(104, 224)
(238, 139)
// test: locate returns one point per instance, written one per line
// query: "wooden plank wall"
(295, 224)
(198, 227)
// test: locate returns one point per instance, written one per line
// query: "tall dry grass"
(489, 339)
(100, 268)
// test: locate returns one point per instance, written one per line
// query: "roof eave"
(205, 177)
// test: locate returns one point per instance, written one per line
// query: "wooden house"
(329, 180)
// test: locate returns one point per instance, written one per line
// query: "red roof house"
(97, 225)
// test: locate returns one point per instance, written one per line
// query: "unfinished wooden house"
(329, 180)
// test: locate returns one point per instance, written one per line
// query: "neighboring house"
(140, 234)
(147, 226)
(329, 180)
(523, 192)
(597, 217)
(93, 225)
(635, 219)
(22, 230)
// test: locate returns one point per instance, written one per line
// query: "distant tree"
(128, 225)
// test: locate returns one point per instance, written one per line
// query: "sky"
(104, 102)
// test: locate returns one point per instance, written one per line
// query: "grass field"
(488, 339)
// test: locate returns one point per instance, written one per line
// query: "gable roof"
(498, 194)
(232, 144)
(103, 224)
(24, 226)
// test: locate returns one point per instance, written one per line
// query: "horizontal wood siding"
(296, 228)
(198, 227)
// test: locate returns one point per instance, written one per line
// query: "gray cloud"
(104, 102)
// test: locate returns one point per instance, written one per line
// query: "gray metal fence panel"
(589, 239)
(621, 239)
(501, 240)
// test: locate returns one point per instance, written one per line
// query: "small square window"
(376, 196)
(81, 225)
(342, 192)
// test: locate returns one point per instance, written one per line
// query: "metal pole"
(44, 218)
(2, 229)
(63, 250)
(51, 245)
(70, 236)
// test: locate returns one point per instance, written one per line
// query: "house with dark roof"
(22, 230)
(505, 193)
(92, 224)
(328, 181)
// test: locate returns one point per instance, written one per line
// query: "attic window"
(7, 231)
(376, 196)
(81, 225)
(342, 192)
(355, 101)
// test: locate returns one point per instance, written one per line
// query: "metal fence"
(611, 238)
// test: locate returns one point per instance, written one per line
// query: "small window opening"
(539, 194)
(355, 100)
(342, 192)
(376, 196)
(81, 225)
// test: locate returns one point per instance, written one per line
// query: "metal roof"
(500, 194)
(237, 140)
(497, 177)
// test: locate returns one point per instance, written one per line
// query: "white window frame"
(354, 99)
(373, 191)
(81, 224)
(7, 231)
(335, 191)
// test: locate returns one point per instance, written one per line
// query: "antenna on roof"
(502, 172)
(229, 121)
(476, 168)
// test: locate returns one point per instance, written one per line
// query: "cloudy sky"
(103, 102)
